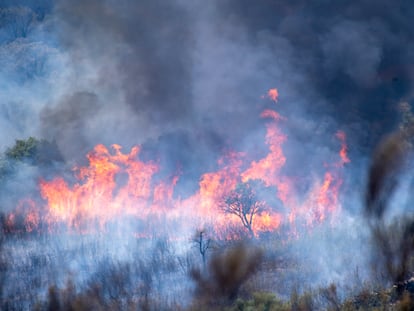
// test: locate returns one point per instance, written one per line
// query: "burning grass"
(68, 271)
(115, 237)
(116, 184)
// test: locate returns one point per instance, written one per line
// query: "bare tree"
(245, 204)
(203, 244)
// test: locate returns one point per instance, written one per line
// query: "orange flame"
(96, 196)
(115, 184)
(344, 148)
(273, 94)
(267, 169)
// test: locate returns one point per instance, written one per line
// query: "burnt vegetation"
(148, 57)
(256, 273)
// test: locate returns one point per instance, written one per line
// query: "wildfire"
(97, 195)
(267, 169)
(116, 184)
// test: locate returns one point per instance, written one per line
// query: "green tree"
(38, 152)
(23, 149)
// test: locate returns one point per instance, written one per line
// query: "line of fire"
(242, 198)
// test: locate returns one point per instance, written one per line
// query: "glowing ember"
(273, 94)
(343, 153)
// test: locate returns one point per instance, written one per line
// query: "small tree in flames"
(244, 203)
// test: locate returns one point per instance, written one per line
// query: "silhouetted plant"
(302, 302)
(394, 240)
(245, 204)
(261, 302)
(226, 273)
(203, 244)
(36, 151)
(387, 162)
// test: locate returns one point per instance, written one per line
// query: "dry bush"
(260, 302)
(225, 274)
(330, 296)
(393, 239)
(114, 286)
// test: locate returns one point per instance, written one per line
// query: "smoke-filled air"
(206, 155)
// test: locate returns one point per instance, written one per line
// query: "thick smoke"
(200, 69)
(134, 57)
(196, 71)
(185, 79)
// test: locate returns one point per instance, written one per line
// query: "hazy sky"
(185, 78)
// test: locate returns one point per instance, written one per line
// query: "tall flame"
(96, 194)
(267, 169)
(115, 184)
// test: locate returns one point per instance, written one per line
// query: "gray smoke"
(197, 71)
(184, 79)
